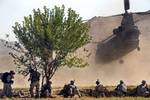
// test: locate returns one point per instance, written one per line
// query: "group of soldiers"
(69, 90)
(34, 78)
(7, 79)
(121, 90)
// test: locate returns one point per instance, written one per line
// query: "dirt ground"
(57, 89)
(82, 98)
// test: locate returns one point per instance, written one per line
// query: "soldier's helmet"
(143, 82)
(72, 82)
(121, 82)
(97, 82)
(12, 72)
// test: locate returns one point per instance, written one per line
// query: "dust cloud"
(135, 65)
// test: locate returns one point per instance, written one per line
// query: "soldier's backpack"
(71, 90)
(64, 91)
(35, 76)
(4, 77)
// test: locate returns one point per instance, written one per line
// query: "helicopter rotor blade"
(126, 5)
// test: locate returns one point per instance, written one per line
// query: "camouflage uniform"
(7, 80)
(70, 90)
(99, 90)
(121, 89)
(142, 89)
(34, 78)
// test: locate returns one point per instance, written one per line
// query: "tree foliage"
(48, 38)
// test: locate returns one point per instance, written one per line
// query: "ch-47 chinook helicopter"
(125, 39)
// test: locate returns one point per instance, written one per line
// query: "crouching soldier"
(142, 89)
(7, 79)
(121, 89)
(35, 79)
(99, 90)
(46, 90)
(70, 90)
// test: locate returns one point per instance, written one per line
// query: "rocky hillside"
(5, 60)
(135, 66)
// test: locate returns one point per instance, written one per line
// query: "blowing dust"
(134, 67)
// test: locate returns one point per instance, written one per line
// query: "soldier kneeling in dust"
(99, 90)
(121, 89)
(70, 90)
(143, 90)
(46, 90)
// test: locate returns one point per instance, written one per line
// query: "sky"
(14, 10)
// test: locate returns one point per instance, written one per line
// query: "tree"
(47, 40)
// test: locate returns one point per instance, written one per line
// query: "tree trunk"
(52, 68)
